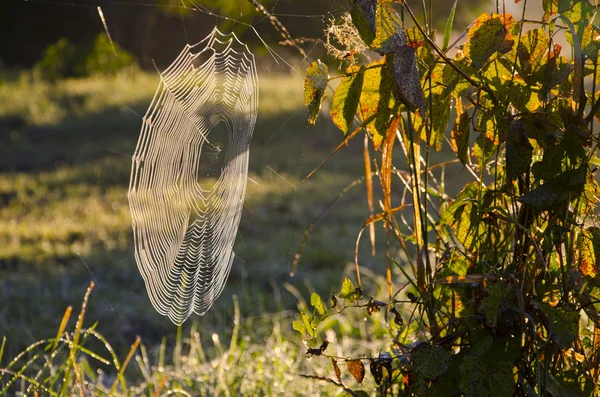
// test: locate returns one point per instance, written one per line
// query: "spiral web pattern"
(185, 224)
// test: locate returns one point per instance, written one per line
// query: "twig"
(300, 40)
(338, 384)
(278, 26)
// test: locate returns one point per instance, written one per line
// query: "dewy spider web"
(184, 229)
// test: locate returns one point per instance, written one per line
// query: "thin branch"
(338, 384)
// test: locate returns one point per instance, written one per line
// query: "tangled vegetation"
(499, 288)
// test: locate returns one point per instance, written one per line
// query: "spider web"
(183, 232)
(186, 229)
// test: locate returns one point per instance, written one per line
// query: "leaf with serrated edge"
(488, 35)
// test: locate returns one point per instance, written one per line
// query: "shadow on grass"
(51, 176)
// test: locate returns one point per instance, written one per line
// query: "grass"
(64, 170)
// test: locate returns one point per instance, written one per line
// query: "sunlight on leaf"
(459, 137)
(376, 100)
(489, 34)
(346, 99)
(317, 303)
(347, 289)
(588, 244)
(315, 84)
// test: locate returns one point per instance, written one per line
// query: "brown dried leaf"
(338, 373)
(357, 369)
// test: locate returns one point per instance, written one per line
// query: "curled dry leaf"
(376, 371)
(333, 302)
(397, 317)
(324, 345)
(313, 352)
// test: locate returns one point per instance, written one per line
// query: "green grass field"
(65, 159)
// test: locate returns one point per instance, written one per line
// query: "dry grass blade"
(61, 328)
(161, 385)
(386, 183)
(2, 348)
(125, 363)
(369, 183)
(468, 279)
(75, 345)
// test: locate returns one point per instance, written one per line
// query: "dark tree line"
(158, 29)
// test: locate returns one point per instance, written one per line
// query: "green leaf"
(588, 244)
(550, 8)
(488, 35)
(578, 12)
(317, 303)
(530, 53)
(459, 137)
(315, 84)
(487, 141)
(491, 378)
(347, 289)
(448, 28)
(377, 100)
(557, 191)
(563, 325)
(439, 114)
(498, 295)
(463, 216)
(431, 361)
(519, 151)
(589, 44)
(298, 326)
(571, 383)
(346, 99)
(309, 324)
(378, 25)
(2, 348)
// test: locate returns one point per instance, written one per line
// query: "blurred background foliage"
(156, 30)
